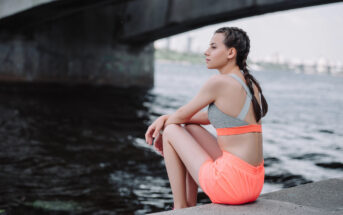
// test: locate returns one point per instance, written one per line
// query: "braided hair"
(238, 39)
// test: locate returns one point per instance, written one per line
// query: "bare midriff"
(246, 146)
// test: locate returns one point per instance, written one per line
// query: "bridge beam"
(162, 18)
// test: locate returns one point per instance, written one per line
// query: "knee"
(170, 129)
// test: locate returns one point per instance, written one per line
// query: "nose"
(206, 52)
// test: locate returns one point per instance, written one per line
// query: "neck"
(229, 68)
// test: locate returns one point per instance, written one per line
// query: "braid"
(237, 38)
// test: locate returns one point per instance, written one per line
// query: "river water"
(81, 150)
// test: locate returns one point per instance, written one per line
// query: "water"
(79, 150)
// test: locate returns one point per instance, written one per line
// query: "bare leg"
(205, 139)
(191, 190)
(176, 173)
(181, 151)
(207, 142)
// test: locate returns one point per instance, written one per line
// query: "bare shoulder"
(216, 82)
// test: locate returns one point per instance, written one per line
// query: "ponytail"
(257, 108)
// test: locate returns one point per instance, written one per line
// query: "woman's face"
(217, 52)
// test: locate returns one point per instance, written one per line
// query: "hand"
(158, 144)
(153, 132)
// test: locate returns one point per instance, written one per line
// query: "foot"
(169, 207)
(179, 206)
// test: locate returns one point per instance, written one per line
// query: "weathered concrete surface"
(163, 18)
(323, 197)
(327, 194)
(149, 20)
(77, 49)
(23, 14)
(10, 7)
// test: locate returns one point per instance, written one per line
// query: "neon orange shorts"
(231, 180)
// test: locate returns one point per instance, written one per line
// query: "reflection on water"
(81, 150)
(74, 149)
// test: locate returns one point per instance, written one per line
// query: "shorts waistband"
(243, 164)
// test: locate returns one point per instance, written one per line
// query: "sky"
(306, 34)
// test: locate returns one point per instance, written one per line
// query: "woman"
(229, 168)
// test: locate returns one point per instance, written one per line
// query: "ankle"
(178, 206)
(191, 204)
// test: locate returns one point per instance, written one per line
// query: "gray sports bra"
(220, 119)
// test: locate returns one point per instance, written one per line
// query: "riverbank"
(174, 56)
(322, 197)
(165, 55)
(254, 65)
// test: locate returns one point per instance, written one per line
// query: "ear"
(231, 53)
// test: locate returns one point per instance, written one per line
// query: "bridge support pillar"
(78, 49)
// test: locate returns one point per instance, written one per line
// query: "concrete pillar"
(81, 48)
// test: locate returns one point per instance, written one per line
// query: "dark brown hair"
(238, 39)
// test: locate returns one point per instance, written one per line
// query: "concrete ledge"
(323, 197)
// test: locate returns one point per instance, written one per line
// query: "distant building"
(322, 66)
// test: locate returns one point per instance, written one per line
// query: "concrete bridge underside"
(106, 42)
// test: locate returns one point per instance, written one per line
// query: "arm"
(199, 118)
(189, 112)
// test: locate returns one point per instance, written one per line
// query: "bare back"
(248, 146)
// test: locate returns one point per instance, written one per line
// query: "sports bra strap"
(246, 106)
(242, 83)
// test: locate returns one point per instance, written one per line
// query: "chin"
(210, 67)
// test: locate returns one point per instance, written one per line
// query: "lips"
(207, 60)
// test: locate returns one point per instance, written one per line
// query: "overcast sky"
(307, 34)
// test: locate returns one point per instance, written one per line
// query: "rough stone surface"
(323, 197)
(326, 194)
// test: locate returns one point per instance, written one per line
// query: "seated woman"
(229, 168)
